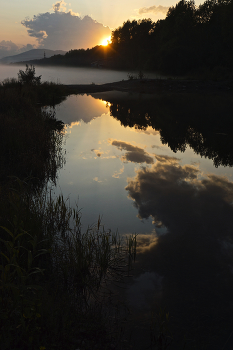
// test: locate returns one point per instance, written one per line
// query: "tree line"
(190, 39)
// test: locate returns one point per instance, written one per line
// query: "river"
(159, 166)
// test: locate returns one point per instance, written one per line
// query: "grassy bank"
(30, 139)
(53, 274)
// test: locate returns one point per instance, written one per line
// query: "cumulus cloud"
(195, 256)
(65, 30)
(181, 199)
(77, 108)
(8, 48)
(153, 9)
(59, 6)
(134, 154)
(146, 242)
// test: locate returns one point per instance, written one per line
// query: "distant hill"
(34, 54)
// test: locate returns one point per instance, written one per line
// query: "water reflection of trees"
(202, 122)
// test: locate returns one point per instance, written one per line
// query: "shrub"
(29, 76)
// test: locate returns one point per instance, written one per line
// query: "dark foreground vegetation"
(192, 40)
(53, 276)
(30, 138)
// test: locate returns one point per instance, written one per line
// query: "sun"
(105, 41)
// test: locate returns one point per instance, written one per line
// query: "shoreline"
(150, 86)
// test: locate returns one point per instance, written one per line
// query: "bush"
(29, 76)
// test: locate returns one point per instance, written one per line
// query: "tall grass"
(48, 263)
(53, 274)
(30, 139)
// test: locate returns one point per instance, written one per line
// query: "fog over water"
(70, 75)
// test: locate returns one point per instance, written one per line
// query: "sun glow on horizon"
(105, 41)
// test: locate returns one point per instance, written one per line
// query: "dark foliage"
(30, 138)
(187, 40)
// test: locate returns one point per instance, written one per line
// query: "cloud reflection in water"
(180, 197)
(195, 256)
(134, 153)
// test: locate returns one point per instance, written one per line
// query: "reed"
(30, 138)
(53, 274)
(48, 262)
(161, 337)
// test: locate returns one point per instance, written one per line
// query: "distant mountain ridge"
(34, 54)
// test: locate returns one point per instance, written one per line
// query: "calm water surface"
(161, 167)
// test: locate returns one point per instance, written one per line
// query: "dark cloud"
(39, 35)
(134, 154)
(195, 255)
(65, 30)
(146, 288)
(153, 9)
(8, 48)
(164, 158)
(180, 198)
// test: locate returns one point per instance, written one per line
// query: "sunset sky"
(61, 25)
